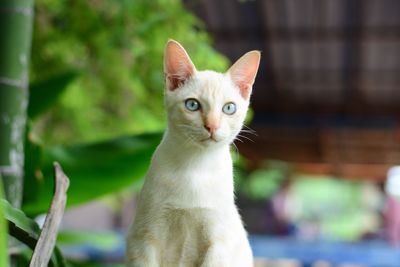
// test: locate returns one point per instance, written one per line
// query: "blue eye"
(192, 104)
(229, 108)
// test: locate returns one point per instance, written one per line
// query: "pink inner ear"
(178, 67)
(244, 89)
(243, 84)
(174, 82)
(243, 72)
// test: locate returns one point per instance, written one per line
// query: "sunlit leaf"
(20, 221)
(100, 240)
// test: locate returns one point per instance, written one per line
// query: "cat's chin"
(211, 142)
(209, 139)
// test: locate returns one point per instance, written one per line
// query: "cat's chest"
(192, 185)
(189, 189)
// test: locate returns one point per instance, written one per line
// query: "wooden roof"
(327, 95)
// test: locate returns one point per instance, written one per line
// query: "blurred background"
(317, 184)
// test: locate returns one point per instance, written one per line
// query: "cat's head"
(206, 108)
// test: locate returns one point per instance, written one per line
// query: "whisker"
(240, 140)
(189, 139)
(249, 129)
(249, 132)
(186, 126)
(192, 132)
(244, 125)
(245, 137)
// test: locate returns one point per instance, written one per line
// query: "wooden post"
(15, 43)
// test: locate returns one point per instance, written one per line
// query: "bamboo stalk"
(15, 43)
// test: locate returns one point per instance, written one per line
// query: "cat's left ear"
(178, 67)
(244, 71)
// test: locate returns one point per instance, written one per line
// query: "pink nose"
(211, 123)
(211, 128)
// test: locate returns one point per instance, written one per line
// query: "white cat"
(186, 214)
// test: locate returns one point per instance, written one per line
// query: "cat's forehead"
(210, 78)
(214, 85)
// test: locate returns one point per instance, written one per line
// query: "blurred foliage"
(343, 209)
(99, 240)
(336, 209)
(96, 74)
(44, 93)
(94, 169)
(3, 230)
(23, 257)
(261, 183)
(116, 48)
(96, 247)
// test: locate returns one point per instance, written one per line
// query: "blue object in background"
(367, 253)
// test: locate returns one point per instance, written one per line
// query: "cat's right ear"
(178, 67)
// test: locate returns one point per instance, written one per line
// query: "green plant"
(94, 169)
(26, 230)
(116, 47)
(97, 79)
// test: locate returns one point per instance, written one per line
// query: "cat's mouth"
(209, 139)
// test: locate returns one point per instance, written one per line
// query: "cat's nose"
(211, 123)
(211, 128)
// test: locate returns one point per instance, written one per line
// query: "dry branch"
(45, 245)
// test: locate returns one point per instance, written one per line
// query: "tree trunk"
(15, 43)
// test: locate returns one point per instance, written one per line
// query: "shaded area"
(328, 67)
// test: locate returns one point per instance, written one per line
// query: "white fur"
(186, 215)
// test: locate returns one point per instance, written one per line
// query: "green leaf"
(32, 165)
(94, 170)
(20, 221)
(3, 230)
(99, 240)
(43, 94)
(27, 231)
